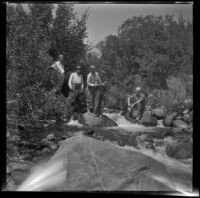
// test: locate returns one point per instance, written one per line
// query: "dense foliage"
(149, 51)
(146, 52)
(34, 40)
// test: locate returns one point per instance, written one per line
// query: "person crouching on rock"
(76, 86)
(140, 99)
(92, 80)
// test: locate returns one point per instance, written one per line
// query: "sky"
(104, 19)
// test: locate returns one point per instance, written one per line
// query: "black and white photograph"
(99, 97)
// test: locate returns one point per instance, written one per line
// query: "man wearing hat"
(76, 86)
(60, 72)
(139, 100)
(93, 80)
(76, 80)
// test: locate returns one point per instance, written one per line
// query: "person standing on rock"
(60, 73)
(93, 80)
(100, 97)
(140, 99)
(76, 80)
(76, 86)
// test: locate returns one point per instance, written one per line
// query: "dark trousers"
(92, 93)
(140, 107)
(98, 102)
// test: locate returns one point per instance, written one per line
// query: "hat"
(92, 67)
(138, 89)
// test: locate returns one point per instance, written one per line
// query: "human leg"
(61, 78)
(91, 91)
(97, 102)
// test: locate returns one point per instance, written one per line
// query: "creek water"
(182, 170)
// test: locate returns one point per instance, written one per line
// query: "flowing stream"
(182, 170)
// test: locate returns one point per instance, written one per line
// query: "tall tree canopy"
(151, 46)
(34, 40)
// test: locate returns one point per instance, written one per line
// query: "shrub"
(116, 97)
(36, 103)
(55, 107)
(179, 89)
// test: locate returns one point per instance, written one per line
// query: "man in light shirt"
(93, 80)
(60, 72)
(76, 86)
(76, 80)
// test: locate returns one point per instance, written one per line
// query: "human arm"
(129, 99)
(82, 84)
(98, 79)
(70, 81)
(142, 97)
(54, 65)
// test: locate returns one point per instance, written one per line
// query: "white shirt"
(59, 67)
(75, 78)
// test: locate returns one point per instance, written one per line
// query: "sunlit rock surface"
(89, 119)
(95, 165)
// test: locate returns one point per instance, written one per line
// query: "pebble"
(53, 147)
(50, 137)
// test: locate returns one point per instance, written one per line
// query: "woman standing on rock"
(60, 72)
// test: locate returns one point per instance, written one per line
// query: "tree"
(68, 35)
(155, 47)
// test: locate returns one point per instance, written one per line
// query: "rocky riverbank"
(45, 143)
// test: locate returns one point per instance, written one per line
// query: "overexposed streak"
(50, 174)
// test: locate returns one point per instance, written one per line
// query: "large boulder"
(180, 149)
(180, 124)
(168, 120)
(89, 119)
(148, 119)
(159, 113)
(92, 165)
(187, 118)
(188, 104)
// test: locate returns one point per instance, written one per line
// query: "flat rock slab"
(93, 165)
(89, 119)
